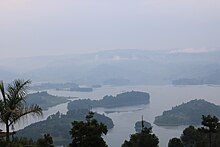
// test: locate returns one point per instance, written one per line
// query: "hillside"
(45, 100)
(189, 113)
(119, 67)
(59, 125)
(123, 99)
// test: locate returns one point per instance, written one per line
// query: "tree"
(13, 106)
(191, 137)
(47, 141)
(210, 124)
(175, 142)
(89, 133)
(143, 139)
(205, 136)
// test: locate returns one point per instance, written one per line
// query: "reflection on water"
(124, 118)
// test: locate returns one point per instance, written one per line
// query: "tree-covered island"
(58, 126)
(139, 125)
(124, 99)
(187, 113)
(45, 100)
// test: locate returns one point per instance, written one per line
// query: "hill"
(119, 67)
(45, 100)
(189, 113)
(123, 99)
(59, 125)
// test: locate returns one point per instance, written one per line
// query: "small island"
(185, 81)
(124, 99)
(45, 100)
(62, 86)
(81, 89)
(58, 126)
(189, 113)
(138, 125)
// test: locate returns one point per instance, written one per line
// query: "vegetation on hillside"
(139, 125)
(187, 113)
(123, 99)
(58, 125)
(45, 100)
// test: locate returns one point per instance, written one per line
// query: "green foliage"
(187, 113)
(58, 126)
(47, 141)
(210, 124)
(13, 106)
(18, 142)
(175, 142)
(192, 137)
(207, 136)
(123, 99)
(45, 100)
(143, 139)
(138, 125)
(89, 133)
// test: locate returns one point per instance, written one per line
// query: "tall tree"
(191, 137)
(89, 133)
(210, 124)
(13, 106)
(143, 139)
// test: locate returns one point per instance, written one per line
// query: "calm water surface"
(161, 98)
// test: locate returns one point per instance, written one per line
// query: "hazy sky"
(50, 27)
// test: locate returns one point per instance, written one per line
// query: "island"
(189, 113)
(45, 100)
(185, 81)
(138, 125)
(58, 126)
(62, 86)
(81, 89)
(124, 99)
(43, 86)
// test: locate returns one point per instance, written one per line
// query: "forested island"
(123, 99)
(138, 125)
(63, 86)
(185, 81)
(58, 126)
(187, 113)
(45, 100)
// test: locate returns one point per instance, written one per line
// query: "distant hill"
(123, 99)
(58, 126)
(45, 100)
(212, 78)
(189, 113)
(119, 67)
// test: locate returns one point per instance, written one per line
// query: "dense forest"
(123, 99)
(58, 125)
(45, 100)
(187, 113)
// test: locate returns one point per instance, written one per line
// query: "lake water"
(161, 98)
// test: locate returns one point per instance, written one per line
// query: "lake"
(161, 98)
